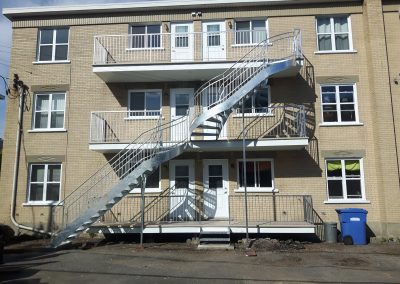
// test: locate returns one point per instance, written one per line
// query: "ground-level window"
(152, 182)
(144, 103)
(339, 104)
(259, 174)
(49, 111)
(44, 183)
(345, 179)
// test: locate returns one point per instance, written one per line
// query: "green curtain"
(351, 165)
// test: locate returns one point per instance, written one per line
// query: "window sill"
(52, 62)
(142, 117)
(239, 115)
(147, 190)
(336, 52)
(45, 130)
(347, 201)
(248, 44)
(144, 48)
(43, 203)
(341, 124)
(270, 190)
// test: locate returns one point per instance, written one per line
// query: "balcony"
(279, 126)
(162, 57)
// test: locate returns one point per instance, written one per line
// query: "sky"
(6, 36)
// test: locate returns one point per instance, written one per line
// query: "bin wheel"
(347, 240)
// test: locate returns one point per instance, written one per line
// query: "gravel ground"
(287, 262)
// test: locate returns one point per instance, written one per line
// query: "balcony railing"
(275, 121)
(190, 207)
(175, 47)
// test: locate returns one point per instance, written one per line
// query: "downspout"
(16, 165)
(391, 98)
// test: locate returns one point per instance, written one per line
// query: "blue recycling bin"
(353, 225)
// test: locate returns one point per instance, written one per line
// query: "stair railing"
(223, 86)
(151, 143)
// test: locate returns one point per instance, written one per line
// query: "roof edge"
(12, 13)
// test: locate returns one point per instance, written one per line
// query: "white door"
(214, 41)
(182, 193)
(181, 100)
(210, 98)
(182, 42)
(216, 195)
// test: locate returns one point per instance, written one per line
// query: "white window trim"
(332, 33)
(338, 108)
(256, 189)
(45, 182)
(48, 128)
(145, 111)
(161, 47)
(251, 43)
(150, 189)
(238, 111)
(53, 44)
(343, 179)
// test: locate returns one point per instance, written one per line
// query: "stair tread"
(215, 240)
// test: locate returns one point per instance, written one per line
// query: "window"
(182, 36)
(259, 175)
(344, 179)
(44, 183)
(333, 34)
(152, 183)
(144, 103)
(250, 32)
(53, 44)
(49, 111)
(146, 36)
(257, 103)
(339, 104)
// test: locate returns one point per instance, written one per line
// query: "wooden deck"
(195, 227)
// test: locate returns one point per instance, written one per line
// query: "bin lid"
(351, 210)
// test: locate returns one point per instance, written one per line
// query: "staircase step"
(213, 119)
(215, 240)
(204, 126)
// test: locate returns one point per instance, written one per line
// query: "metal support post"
(143, 187)
(244, 175)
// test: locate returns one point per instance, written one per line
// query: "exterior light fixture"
(166, 27)
(230, 25)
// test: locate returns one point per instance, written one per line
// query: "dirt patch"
(261, 245)
(351, 262)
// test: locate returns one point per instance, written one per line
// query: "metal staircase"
(213, 102)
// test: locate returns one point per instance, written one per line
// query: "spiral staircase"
(213, 102)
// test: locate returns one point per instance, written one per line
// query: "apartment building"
(188, 116)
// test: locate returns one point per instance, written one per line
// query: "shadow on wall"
(295, 164)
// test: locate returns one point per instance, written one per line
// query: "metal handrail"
(150, 144)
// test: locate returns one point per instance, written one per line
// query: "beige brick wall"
(296, 172)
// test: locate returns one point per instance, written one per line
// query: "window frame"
(251, 43)
(145, 115)
(338, 105)
(146, 35)
(45, 182)
(150, 189)
(256, 188)
(332, 34)
(344, 179)
(254, 113)
(53, 45)
(49, 111)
